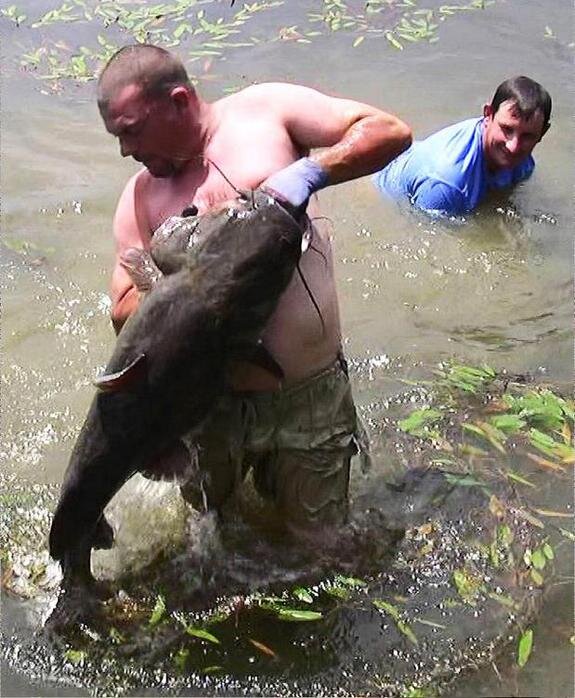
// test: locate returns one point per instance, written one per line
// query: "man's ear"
(487, 111)
(180, 96)
(545, 129)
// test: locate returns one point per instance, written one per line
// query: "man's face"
(509, 138)
(148, 130)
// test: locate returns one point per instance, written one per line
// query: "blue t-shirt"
(446, 171)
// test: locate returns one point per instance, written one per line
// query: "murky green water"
(496, 288)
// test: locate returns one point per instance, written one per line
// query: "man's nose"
(512, 144)
(127, 148)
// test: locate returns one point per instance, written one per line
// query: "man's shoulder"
(448, 144)
(137, 183)
(259, 93)
(450, 154)
(460, 127)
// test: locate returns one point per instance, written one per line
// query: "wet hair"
(527, 96)
(150, 67)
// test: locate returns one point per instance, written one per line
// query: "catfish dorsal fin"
(129, 377)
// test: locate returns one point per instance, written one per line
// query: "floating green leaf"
(202, 634)
(419, 421)
(303, 595)
(212, 669)
(503, 599)
(75, 656)
(463, 480)
(389, 608)
(158, 612)
(507, 423)
(541, 408)
(504, 535)
(431, 623)
(547, 445)
(524, 648)
(401, 625)
(518, 478)
(538, 559)
(488, 432)
(352, 582)
(295, 614)
(469, 379)
(116, 637)
(419, 692)
(393, 41)
(338, 591)
(14, 14)
(568, 534)
(468, 585)
(548, 551)
(181, 658)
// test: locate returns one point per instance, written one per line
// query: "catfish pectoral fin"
(129, 377)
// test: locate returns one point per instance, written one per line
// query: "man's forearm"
(368, 145)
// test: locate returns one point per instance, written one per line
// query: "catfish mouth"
(243, 202)
(248, 200)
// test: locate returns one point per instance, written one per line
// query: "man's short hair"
(527, 95)
(150, 67)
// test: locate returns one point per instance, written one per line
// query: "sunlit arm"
(370, 142)
(128, 232)
(125, 299)
(349, 139)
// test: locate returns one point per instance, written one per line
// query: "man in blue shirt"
(451, 171)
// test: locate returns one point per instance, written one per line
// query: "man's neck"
(203, 127)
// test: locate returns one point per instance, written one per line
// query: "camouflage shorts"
(298, 441)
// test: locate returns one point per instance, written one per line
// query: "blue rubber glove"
(297, 182)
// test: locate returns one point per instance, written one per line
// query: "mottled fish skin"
(168, 367)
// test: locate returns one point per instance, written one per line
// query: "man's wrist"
(298, 181)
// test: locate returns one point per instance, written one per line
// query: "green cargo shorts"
(298, 441)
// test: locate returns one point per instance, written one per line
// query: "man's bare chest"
(229, 165)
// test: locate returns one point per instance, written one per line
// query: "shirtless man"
(298, 434)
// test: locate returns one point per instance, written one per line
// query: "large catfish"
(214, 298)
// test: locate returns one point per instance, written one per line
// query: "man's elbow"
(402, 137)
(118, 319)
(123, 307)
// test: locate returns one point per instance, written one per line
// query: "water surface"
(494, 288)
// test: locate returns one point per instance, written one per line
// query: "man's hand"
(141, 267)
(296, 182)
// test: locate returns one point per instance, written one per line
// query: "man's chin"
(160, 171)
(508, 162)
(504, 163)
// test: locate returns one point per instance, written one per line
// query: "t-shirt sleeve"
(434, 195)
